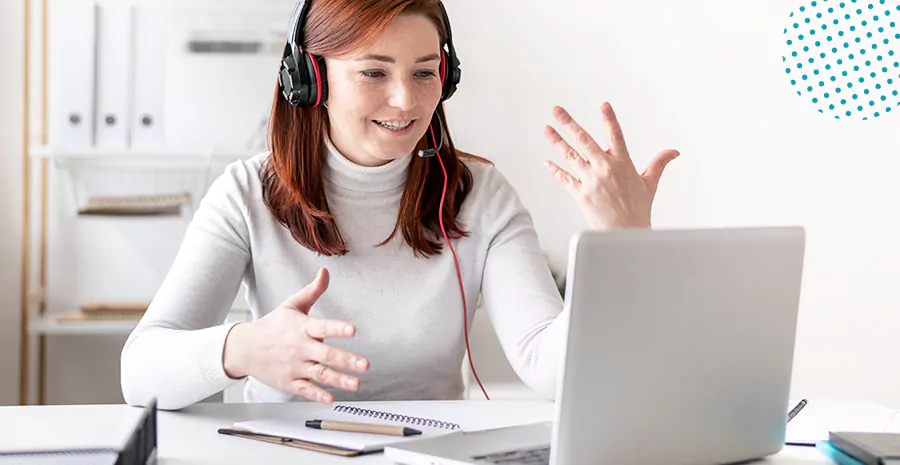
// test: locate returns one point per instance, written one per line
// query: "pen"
(240, 432)
(362, 428)
(794, 411)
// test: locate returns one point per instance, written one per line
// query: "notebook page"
(819, 417)
(410, 414)
(894, 424)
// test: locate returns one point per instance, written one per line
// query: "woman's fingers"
(320, 329)
(574, 160)
(563, 178)
(303, 300)
(591, 151)
(323, 374)
(339, 358)
(617, 147)
(571, 182)
(305, 388)
(655, 169)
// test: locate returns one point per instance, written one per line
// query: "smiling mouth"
(395, 125)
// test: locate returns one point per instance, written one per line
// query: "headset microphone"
(437, 142)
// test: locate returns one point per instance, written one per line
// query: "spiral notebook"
(430, 418)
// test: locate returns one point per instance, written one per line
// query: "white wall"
(706, 78)
(11, 91)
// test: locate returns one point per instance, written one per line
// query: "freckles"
(369, 88)
(432, 89)
(368, 91)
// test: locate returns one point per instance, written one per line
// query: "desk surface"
(189, 437)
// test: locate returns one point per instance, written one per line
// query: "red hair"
(293, 174)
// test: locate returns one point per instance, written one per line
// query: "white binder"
(113, 74)
(149, 58)
(71, 70)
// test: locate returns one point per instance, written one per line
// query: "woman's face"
(381, 97)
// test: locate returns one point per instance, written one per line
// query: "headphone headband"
(449, 42)
(454, 74)
(302, 77)
(298, 20)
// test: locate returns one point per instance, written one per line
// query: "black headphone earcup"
(285, 83)
(294, 98)
(443, 72)
(450, 75)
(322, 79)
(291, 81)
(317, 81)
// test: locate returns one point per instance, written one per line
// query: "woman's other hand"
(286, 349)
(605, 183)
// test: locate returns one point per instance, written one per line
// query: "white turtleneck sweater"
(407, 310)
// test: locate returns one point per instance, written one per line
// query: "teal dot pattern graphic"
(843, 56)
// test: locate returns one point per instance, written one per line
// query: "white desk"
(189, 437)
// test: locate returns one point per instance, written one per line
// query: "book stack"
(106, 311)
(164, 204)
(853, 448)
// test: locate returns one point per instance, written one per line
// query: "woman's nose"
(403, 95)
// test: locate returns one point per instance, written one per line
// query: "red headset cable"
(462, 290)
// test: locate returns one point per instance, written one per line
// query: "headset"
(303, 81)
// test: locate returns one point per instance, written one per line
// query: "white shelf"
(51, 153)
(142, 183)
(48, 325)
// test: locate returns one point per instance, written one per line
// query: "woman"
(343, 193)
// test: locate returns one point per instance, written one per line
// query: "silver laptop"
(680, 350)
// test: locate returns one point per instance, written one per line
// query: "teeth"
(395, 125)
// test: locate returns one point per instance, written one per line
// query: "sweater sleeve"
(518, 291)
(175, 352)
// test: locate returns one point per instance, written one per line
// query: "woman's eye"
(372, 74)
(425, 74)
